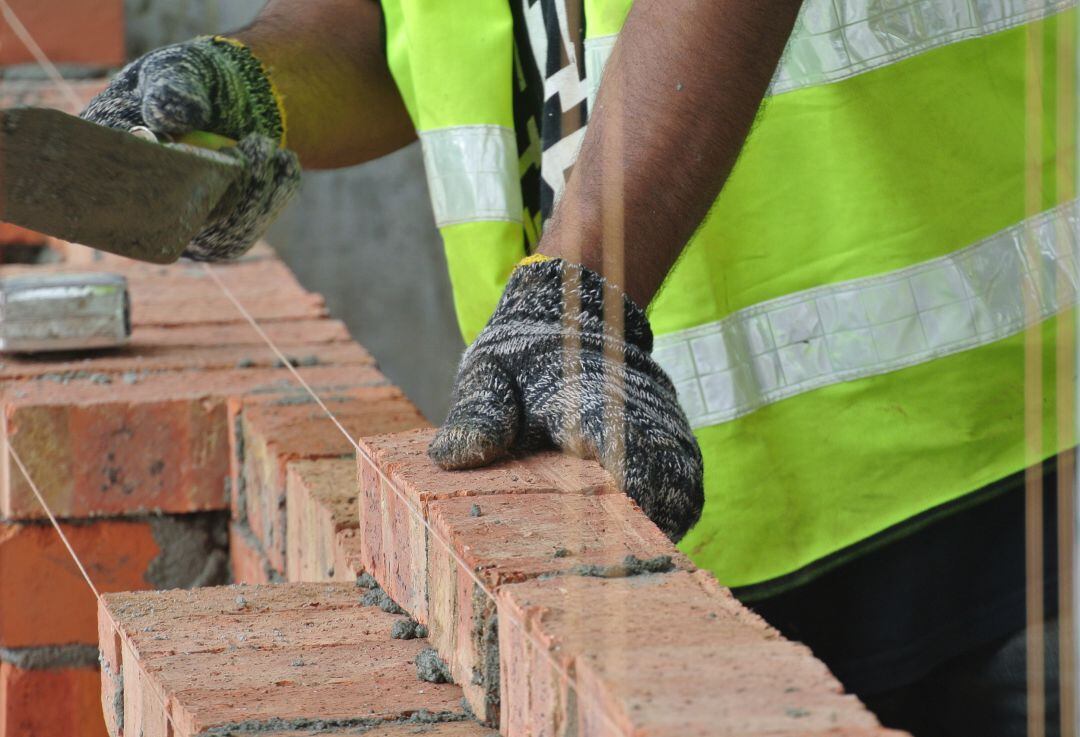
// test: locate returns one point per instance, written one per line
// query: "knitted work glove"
(211, 84)
(546, 370)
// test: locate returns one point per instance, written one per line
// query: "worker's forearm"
(325, 58)
(679, 94)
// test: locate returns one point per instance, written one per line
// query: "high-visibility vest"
(846, 330)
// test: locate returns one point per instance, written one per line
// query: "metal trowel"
(109, 189)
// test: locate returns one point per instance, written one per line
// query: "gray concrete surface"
(364, 236)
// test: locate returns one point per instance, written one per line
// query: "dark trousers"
(982, 693)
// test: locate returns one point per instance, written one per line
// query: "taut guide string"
(564, 676)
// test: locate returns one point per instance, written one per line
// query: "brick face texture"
(43, 598)
(671, 654)
(294, 653)
(89, 32)
(61, 701)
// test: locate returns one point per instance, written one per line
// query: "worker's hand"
(547, 370)
(214, 85)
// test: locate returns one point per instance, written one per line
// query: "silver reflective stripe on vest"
(865, 327)
(472, 174)
(837, 39)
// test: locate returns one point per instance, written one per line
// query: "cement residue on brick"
(431, 668)
(194, 551)
(358, 725)
(375, 596)
(51, 657)
(408, 629)
(631, 566)
(491, 665)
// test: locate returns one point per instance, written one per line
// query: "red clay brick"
(663, 655)
(291, 651)
(40, 93)
(135, 360)
(183, 311)
(44, 600)
(160, 444)
(283, 333)
(347, 557)
(320, 504)
(71, 694)
(247, 560)
(394, 540)
(184, 294)
(262, 277)
(507, 539)
(274, 430)
(70, 31)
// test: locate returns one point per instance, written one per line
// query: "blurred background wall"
(364, 236)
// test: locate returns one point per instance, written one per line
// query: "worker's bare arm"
(680, 92)
(326, 59)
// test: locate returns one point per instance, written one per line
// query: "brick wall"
(133, 449)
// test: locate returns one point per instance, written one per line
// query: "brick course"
(293, 652)
(665, 654)
(91, 443)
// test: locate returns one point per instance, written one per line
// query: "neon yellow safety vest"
(847, 328)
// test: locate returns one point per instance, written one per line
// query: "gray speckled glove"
(519, 386)
(216, 85)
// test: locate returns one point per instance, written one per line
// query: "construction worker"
(839, 319)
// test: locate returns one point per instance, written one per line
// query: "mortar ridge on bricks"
(159, 445)
(271, 430)
(284, 659)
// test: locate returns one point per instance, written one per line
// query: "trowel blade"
(82, 182)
